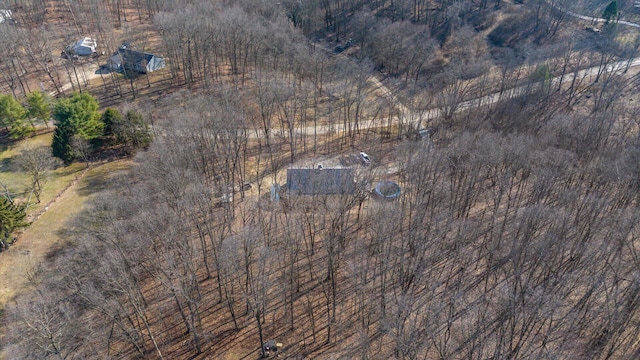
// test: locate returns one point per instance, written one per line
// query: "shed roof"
(85, 42)
(134, 57)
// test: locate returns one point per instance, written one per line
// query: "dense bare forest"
(514, 236)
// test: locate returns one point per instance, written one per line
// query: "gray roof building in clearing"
(324, 181)
(127, 59)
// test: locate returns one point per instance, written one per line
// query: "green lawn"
(18, 182)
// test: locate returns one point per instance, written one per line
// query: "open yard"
(18, 182)
(64, 196)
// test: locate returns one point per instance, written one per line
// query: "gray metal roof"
(139, 61)
(321, 181)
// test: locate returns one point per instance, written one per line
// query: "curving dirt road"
(591, 18)
(90, 72)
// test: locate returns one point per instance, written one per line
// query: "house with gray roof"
(321, 181)
(127, 59)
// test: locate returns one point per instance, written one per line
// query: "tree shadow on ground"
(68, 170)
(5, 141)
(92, 184)
(6, 164)
(58, 249)
(102, 178)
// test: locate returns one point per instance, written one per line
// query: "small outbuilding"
(321, 181)
(387, 189)
(83, 47)
(126, 59)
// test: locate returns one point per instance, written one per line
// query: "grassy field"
(45, 232)
(17, 182)
(35, 242)
(65, 193)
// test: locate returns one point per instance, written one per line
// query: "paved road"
(415, 118)
(421, 118)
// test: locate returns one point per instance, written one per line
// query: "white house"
(82, 47)
(6, 16)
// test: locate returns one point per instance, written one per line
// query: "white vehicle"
(365, 158)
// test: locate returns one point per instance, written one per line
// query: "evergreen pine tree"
(38, 107)
(12, 217)
(111, 118)
(611, 12)
(75, 116)
(10, 111)
(61, 145)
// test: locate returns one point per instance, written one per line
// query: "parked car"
(340, 48)
(271, 348)
(364, 158)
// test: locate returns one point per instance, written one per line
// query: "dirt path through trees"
(87, 73)
(593, 19)
(18, 263)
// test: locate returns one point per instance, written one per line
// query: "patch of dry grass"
(45, 234)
